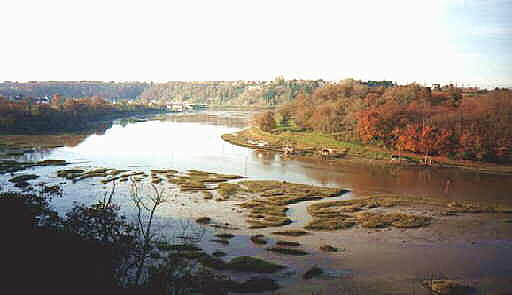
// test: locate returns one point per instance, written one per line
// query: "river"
(184, 142)
(181, 143)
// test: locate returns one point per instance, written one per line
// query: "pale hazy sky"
(405, 41)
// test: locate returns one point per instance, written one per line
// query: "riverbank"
(311, 144)
(20, 143)
(58, 122)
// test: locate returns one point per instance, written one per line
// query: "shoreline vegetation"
(64, 115)
(445, 125)
(310, 145)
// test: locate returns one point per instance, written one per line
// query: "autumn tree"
(413, 118)
(265, 121)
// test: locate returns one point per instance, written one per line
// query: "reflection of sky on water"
(183, 145)
(154, 144)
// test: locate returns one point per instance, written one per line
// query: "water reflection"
(186, 142)
(236, 119)
(266, 157)
(448, 183)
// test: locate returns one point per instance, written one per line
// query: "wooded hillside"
(78, 89)
(274, 92)
(476, 126)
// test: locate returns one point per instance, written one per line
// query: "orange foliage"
(413, 118)
(265, 121)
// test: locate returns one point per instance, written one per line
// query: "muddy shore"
(466, 241)
(469, 243)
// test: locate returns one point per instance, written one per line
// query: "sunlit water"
(197, 144)
(173, 144)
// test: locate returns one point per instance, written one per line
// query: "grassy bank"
(304, 143)
(309, 144)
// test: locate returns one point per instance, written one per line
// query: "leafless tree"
(146, 205)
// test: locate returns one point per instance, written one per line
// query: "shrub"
(265, 121)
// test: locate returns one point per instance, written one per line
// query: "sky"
(435, 41)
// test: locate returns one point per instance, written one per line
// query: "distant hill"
(274, 92)
(74, 89)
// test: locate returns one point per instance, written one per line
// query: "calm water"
(193, 142)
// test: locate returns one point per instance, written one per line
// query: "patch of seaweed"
(287, 251)
(252, 264)
(312, 272)
(328, 248)
(288, 243)
(335, 215)
(203, 220)
(23, 178)
(225, 236)
(226, 190)
(269, 208)
(258, 239)
(291, 233)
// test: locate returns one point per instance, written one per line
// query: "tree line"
(275, 92)
(61, 115)
(474, 126)
(78, 89)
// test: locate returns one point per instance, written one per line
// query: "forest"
(239, 93)
(61, 115)
(413, 118)
(76, 89)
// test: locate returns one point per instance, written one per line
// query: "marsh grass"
(287, 243)
(399, 220)
(269, 209)
(328, 248)
(207, 195)
(288, 251)
(225, 236)
(203, 220)
(341, 214)
(220, 241)
(258, 239)
(219, 254)
(252, 264)
(291, 233)
(328, 224)
(12, 166)
(23, 178)
(226, 190)
(314, 271)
